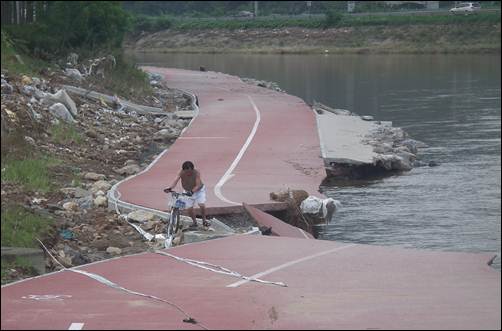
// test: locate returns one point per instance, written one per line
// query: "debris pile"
(97, 143)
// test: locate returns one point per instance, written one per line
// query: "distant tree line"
(53, 27)
(21, 12)
(228, 8)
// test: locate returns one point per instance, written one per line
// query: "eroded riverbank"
(414, 39)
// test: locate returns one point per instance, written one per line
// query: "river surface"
(450, 102)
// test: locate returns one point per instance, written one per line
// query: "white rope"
(109, 283)
(219, 269)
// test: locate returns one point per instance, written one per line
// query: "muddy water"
(450, 102)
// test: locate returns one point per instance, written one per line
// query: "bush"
(333, 18)
(126, 79)
(151, 24)
(72, 24)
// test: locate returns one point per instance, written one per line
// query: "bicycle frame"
(172, 227)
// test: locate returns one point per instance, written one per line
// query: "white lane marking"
(304, 234)
(228, 174)
(288, 264)
(76, 326)
(202, 137)
(46, 297)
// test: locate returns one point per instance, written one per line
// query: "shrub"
(333, 18)
(73, 24)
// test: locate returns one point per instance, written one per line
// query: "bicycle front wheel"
(174, 222)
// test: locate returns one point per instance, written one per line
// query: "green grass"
(125, 79)
(20, 227)
(129, 81)
(32, 173)
(347, 20)
(65, 134)
(29, 65)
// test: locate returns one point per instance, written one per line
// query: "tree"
(63, 25)
(333, 15)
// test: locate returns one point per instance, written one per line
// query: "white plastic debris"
(145, 234)
(325, 208)
(311, 205)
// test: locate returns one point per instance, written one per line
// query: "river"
(450, 102)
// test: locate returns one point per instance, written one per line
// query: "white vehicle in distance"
(466, 8)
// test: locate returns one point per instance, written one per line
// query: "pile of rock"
(40, 102)
(114, 144)
(394, 149)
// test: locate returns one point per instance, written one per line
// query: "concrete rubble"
(355, 146)
(113, 145)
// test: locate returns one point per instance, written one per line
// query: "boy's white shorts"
(198, 197)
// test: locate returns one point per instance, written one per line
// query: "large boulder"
(60, 111)
(61, 97)
(71, 206)
(94, 176)
(74, 73)
(140, 216)
(100, 185)
(128, 170)
(25, 80)
(100, 201)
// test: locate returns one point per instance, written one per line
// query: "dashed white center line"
(288, 264)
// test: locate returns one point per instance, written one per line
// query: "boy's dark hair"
(187, 165)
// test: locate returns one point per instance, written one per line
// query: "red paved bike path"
(263, 140)
(329, 286)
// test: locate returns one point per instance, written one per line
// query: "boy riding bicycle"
(192, 184)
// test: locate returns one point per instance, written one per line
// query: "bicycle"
(178, 203)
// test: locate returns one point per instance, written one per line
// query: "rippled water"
(450, 102)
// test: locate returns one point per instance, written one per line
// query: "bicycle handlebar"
(169, 190)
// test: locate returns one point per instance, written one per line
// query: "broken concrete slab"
(356, 147)
(342, 139)
(140, 109)
(185, 114)
(277, 226)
